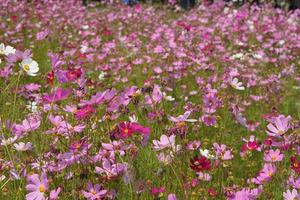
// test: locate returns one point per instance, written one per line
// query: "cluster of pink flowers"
(119, 102)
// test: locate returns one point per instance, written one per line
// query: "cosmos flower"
(236, 84)
(166, 142)
(42, 34)
(30, 66)
(58, 94)
(94, 192)
(182, 118)
(273, 156)
(291, 195)
(37, 187)
(199, 164)
(23, 146)
(279, 126)
(222, 152)
(6, 50)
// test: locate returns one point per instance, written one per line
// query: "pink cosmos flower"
(172, 197)
(156, 96)
(84, 112)
(111, 170)
(37, 187)
(94, 192)
(291, 195)
(295, 183)
(193, 145)
(222, 152)
(54, 194)
(246, 194)
(42, 34)
(182, 118)
(29, 124)
(265, 174)
(57, 95)
(165, 142)
(208, 120)
(273, 156)
(279, 126)
(115, 146)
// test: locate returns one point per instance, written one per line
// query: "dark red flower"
(199, 164)
(295, 164)
(73, 74)
(125, 130)
(50, 77)
(212, 192)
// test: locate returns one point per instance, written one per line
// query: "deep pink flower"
(84, 112)
(57, 95)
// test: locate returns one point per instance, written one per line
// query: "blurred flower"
(23, 146)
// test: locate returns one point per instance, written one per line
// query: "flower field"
(117, 102)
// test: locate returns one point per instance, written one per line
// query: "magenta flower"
(94, 192)
(84, 112)
(57, 95)
(273, 156)
(37, 187)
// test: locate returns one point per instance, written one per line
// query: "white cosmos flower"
(2, 177)
(6, 50)
(23, 147)
(237, 56)
(168, 98)
(32, 106)
(30, 66)
(206, 153)
(101, 75)
(236, 84)
(133, 118)
(8, 141)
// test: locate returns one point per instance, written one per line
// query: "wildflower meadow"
(110, 101)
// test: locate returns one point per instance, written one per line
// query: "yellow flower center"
(273, 157)
(42, 189)
(280, 132)
(126, 130)
(78, 146)
(26, 67)
(93, 192)
(270, 174)
(181, 124)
